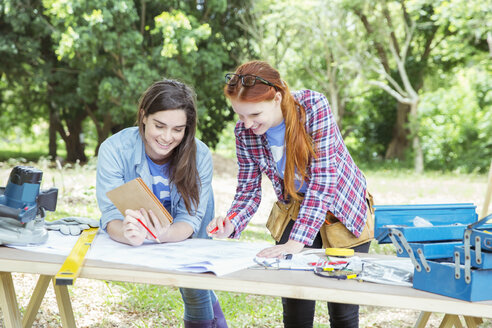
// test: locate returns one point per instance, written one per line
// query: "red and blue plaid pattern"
(336, 184)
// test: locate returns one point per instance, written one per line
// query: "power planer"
(23, 207)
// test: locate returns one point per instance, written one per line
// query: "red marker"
(157, 239)
(214, 230)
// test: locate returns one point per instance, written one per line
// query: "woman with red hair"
(293, 139)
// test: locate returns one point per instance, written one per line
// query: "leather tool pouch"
(334, 234)
(280, 216)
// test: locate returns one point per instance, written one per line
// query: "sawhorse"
(449, 321)
(10, 308)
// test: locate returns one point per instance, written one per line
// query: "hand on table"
(279, 251)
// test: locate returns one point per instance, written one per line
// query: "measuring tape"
(347, 252)
(71, 267)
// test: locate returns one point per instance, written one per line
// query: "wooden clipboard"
(135, 195)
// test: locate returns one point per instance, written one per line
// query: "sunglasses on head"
(247, 80)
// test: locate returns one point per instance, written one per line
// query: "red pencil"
(214, 230)
(157, 239)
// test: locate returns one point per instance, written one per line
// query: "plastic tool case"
(453, 257)
(395, 223)
(469, 277)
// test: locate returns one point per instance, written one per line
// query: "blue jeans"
(198, 304)
(300, 313)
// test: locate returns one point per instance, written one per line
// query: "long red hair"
(299, 147)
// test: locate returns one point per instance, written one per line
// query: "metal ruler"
(71, 267)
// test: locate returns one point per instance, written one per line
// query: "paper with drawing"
(192, 255)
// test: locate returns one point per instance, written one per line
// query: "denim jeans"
(300, 313)
(198, 304)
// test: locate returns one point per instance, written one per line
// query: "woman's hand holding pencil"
(221, 227)
(146, 228)
(140, 225)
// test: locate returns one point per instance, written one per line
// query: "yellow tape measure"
(347, 252)
(71, 267)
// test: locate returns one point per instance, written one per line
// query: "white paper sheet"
(192, 255)
(302, 261)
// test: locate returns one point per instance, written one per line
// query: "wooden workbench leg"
(35, 301)
(8, 301)
(422, 320)
(472, 322)
(450, 320)
(64, 305)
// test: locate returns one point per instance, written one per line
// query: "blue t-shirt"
(276, 140)
(160, 182)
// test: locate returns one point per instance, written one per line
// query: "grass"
(144, 305)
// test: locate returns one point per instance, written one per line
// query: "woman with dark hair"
(177, 167)
(293, 139)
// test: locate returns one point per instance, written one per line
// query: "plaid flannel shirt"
(336, 184)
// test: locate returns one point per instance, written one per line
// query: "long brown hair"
(169, 95)
(299, 147)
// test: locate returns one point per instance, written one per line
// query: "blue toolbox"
(452, 220)
(451, 252)
(446, 224)
(469, 276)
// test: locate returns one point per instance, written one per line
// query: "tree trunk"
(72, 137)
(419, 155)
(103, 135)
(335, 106)
(75, 147)
(52, 148)
(103, 128)
(417, 148)
(399, 143)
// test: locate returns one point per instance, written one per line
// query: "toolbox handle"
(467, 245)
(480, 222)
(397, 234)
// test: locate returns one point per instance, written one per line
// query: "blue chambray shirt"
(122, 158)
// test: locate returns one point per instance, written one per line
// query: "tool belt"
(333, 232)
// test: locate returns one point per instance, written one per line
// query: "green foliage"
(22, 80)
(471, 20)
(77, 68)
(370, 125)
(178, 34)
(21, 156)
(15, 144)
(456, 123)
(68, 61)
(227, 142)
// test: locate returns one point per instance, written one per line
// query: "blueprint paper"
(192, 255)
(57, 243)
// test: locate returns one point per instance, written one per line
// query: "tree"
(324, 44)
(306, 51)
(401, 38)
(68, 61)
(470, 20)
(119, 48)
(24, 34)
(456, 121)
